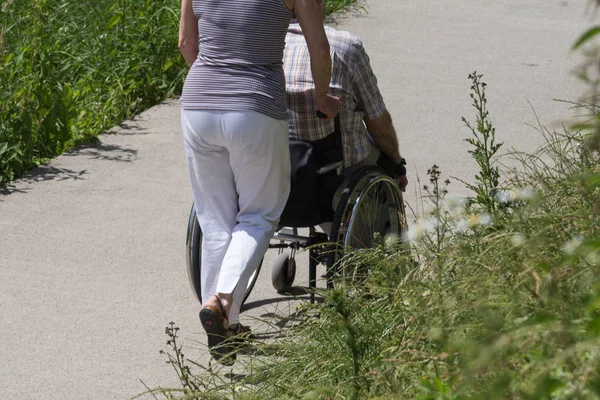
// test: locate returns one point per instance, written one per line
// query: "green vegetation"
(339, 6)
(70, 70)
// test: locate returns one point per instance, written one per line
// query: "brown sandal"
(215, 323)
(239, 331)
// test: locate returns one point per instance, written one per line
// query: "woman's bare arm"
(188, 33)
(311, 20)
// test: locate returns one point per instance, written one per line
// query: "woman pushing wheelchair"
(234, 120)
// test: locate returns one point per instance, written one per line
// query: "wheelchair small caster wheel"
(283, 272)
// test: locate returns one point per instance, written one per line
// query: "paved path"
(92, 264)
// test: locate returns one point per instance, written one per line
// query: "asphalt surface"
(92, 245)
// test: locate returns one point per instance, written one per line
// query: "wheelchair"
(362, 207)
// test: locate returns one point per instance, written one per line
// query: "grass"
(339, 6)
(502, 306)
(504, 303)
(71, 70)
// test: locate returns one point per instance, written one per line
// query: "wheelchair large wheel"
(194, 257)
(370, 208)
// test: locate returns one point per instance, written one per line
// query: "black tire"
(283, 272)
(194, 257)
(359, 184)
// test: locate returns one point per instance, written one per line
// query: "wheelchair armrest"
(337, 166)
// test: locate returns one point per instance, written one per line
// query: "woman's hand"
(329, 105)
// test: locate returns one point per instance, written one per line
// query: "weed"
(484, 149)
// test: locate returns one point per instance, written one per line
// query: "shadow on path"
(296, 293)
(107, 152)
(43, 173)
(48, 172)
(129, 128)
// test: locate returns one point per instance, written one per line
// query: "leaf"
(548, 386)
(167, 65)
(315, 394)
(588, 35)
(594, 326)
(428, 387)
(3, 148)
(581, 127)
(540, 318)
(114, 20)
(594, 386)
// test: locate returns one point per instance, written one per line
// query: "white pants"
(239, 166)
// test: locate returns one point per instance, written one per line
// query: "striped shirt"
(239, 65)
(352, 80)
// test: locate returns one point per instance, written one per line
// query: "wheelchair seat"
(316, 168)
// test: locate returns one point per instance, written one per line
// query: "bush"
(70, 70)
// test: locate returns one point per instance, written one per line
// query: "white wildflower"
(455, 205)
(519, 321)
(527, 193)
(474, 220)
(505, 196)
(391, 240)
(515, 194)
(485, 219)
(518, 239)
(572, 245)
(462, 226)
(406, 303)
(426, 293)
(422, 228)
(416, 232)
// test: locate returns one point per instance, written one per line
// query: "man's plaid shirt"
(352, 81)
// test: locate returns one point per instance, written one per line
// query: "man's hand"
(329, 105)
(402, 181)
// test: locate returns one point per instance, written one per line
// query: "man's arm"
(383, 132)
(370, 101)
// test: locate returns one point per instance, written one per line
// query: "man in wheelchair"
(347, 174)
(363, 133)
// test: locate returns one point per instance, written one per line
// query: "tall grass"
(70, 70)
